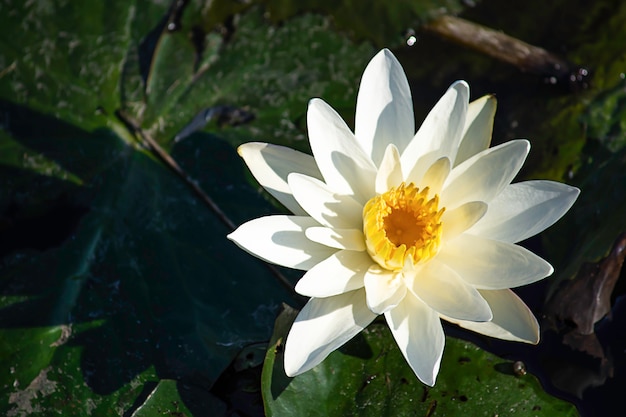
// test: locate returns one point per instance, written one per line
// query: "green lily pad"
(38, 378)
(370, 377)
(147, 262)
(166, 399)
(262, 69)
(65, 60)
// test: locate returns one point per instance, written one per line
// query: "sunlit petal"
(323, 325)
(458, 220)
(512, 319)
(324, 205)
(478, 128)
(445, 291)
(341, 272)
(491, 264)
(440, 133)
(384, 109)
(384, 289)
(435, 176)
(390, 171)
(351, 239)
(419, 335)
(343, 164)
(484, 175)
(281, 240)
(524, 209)
(271, 164)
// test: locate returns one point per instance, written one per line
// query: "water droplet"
(410, 37)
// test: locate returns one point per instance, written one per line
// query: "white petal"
(419, 335)
(485, 175)
(281, 240)
(435, 176)
(270, 165)
(325, 206)
(478, 128)
(384, 109)
(390, 171)
(445, 291)
(524, 209)
(323, 325)
(384, 289)
(512, 319)
(342, 272)
(342, 162)
(441, 131)
(491, 264)
(351, 239)
(458, 220)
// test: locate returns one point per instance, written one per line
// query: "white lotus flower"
(415, 226)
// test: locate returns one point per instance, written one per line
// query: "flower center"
(400, 223)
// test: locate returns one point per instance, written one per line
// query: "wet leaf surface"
(167, 399)
(369, 377)
(141, 277)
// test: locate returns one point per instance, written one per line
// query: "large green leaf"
(63, 58)
(370, 377)
(261, 68)
(147, 262)
(166, 399)
(41, 374)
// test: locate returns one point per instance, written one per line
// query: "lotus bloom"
(416, 226)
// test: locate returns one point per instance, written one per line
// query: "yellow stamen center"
(400, 223)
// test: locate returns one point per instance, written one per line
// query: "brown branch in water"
(580, 359)
(151, 144)
(583, 301)
(505, 48)
(147, 141)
